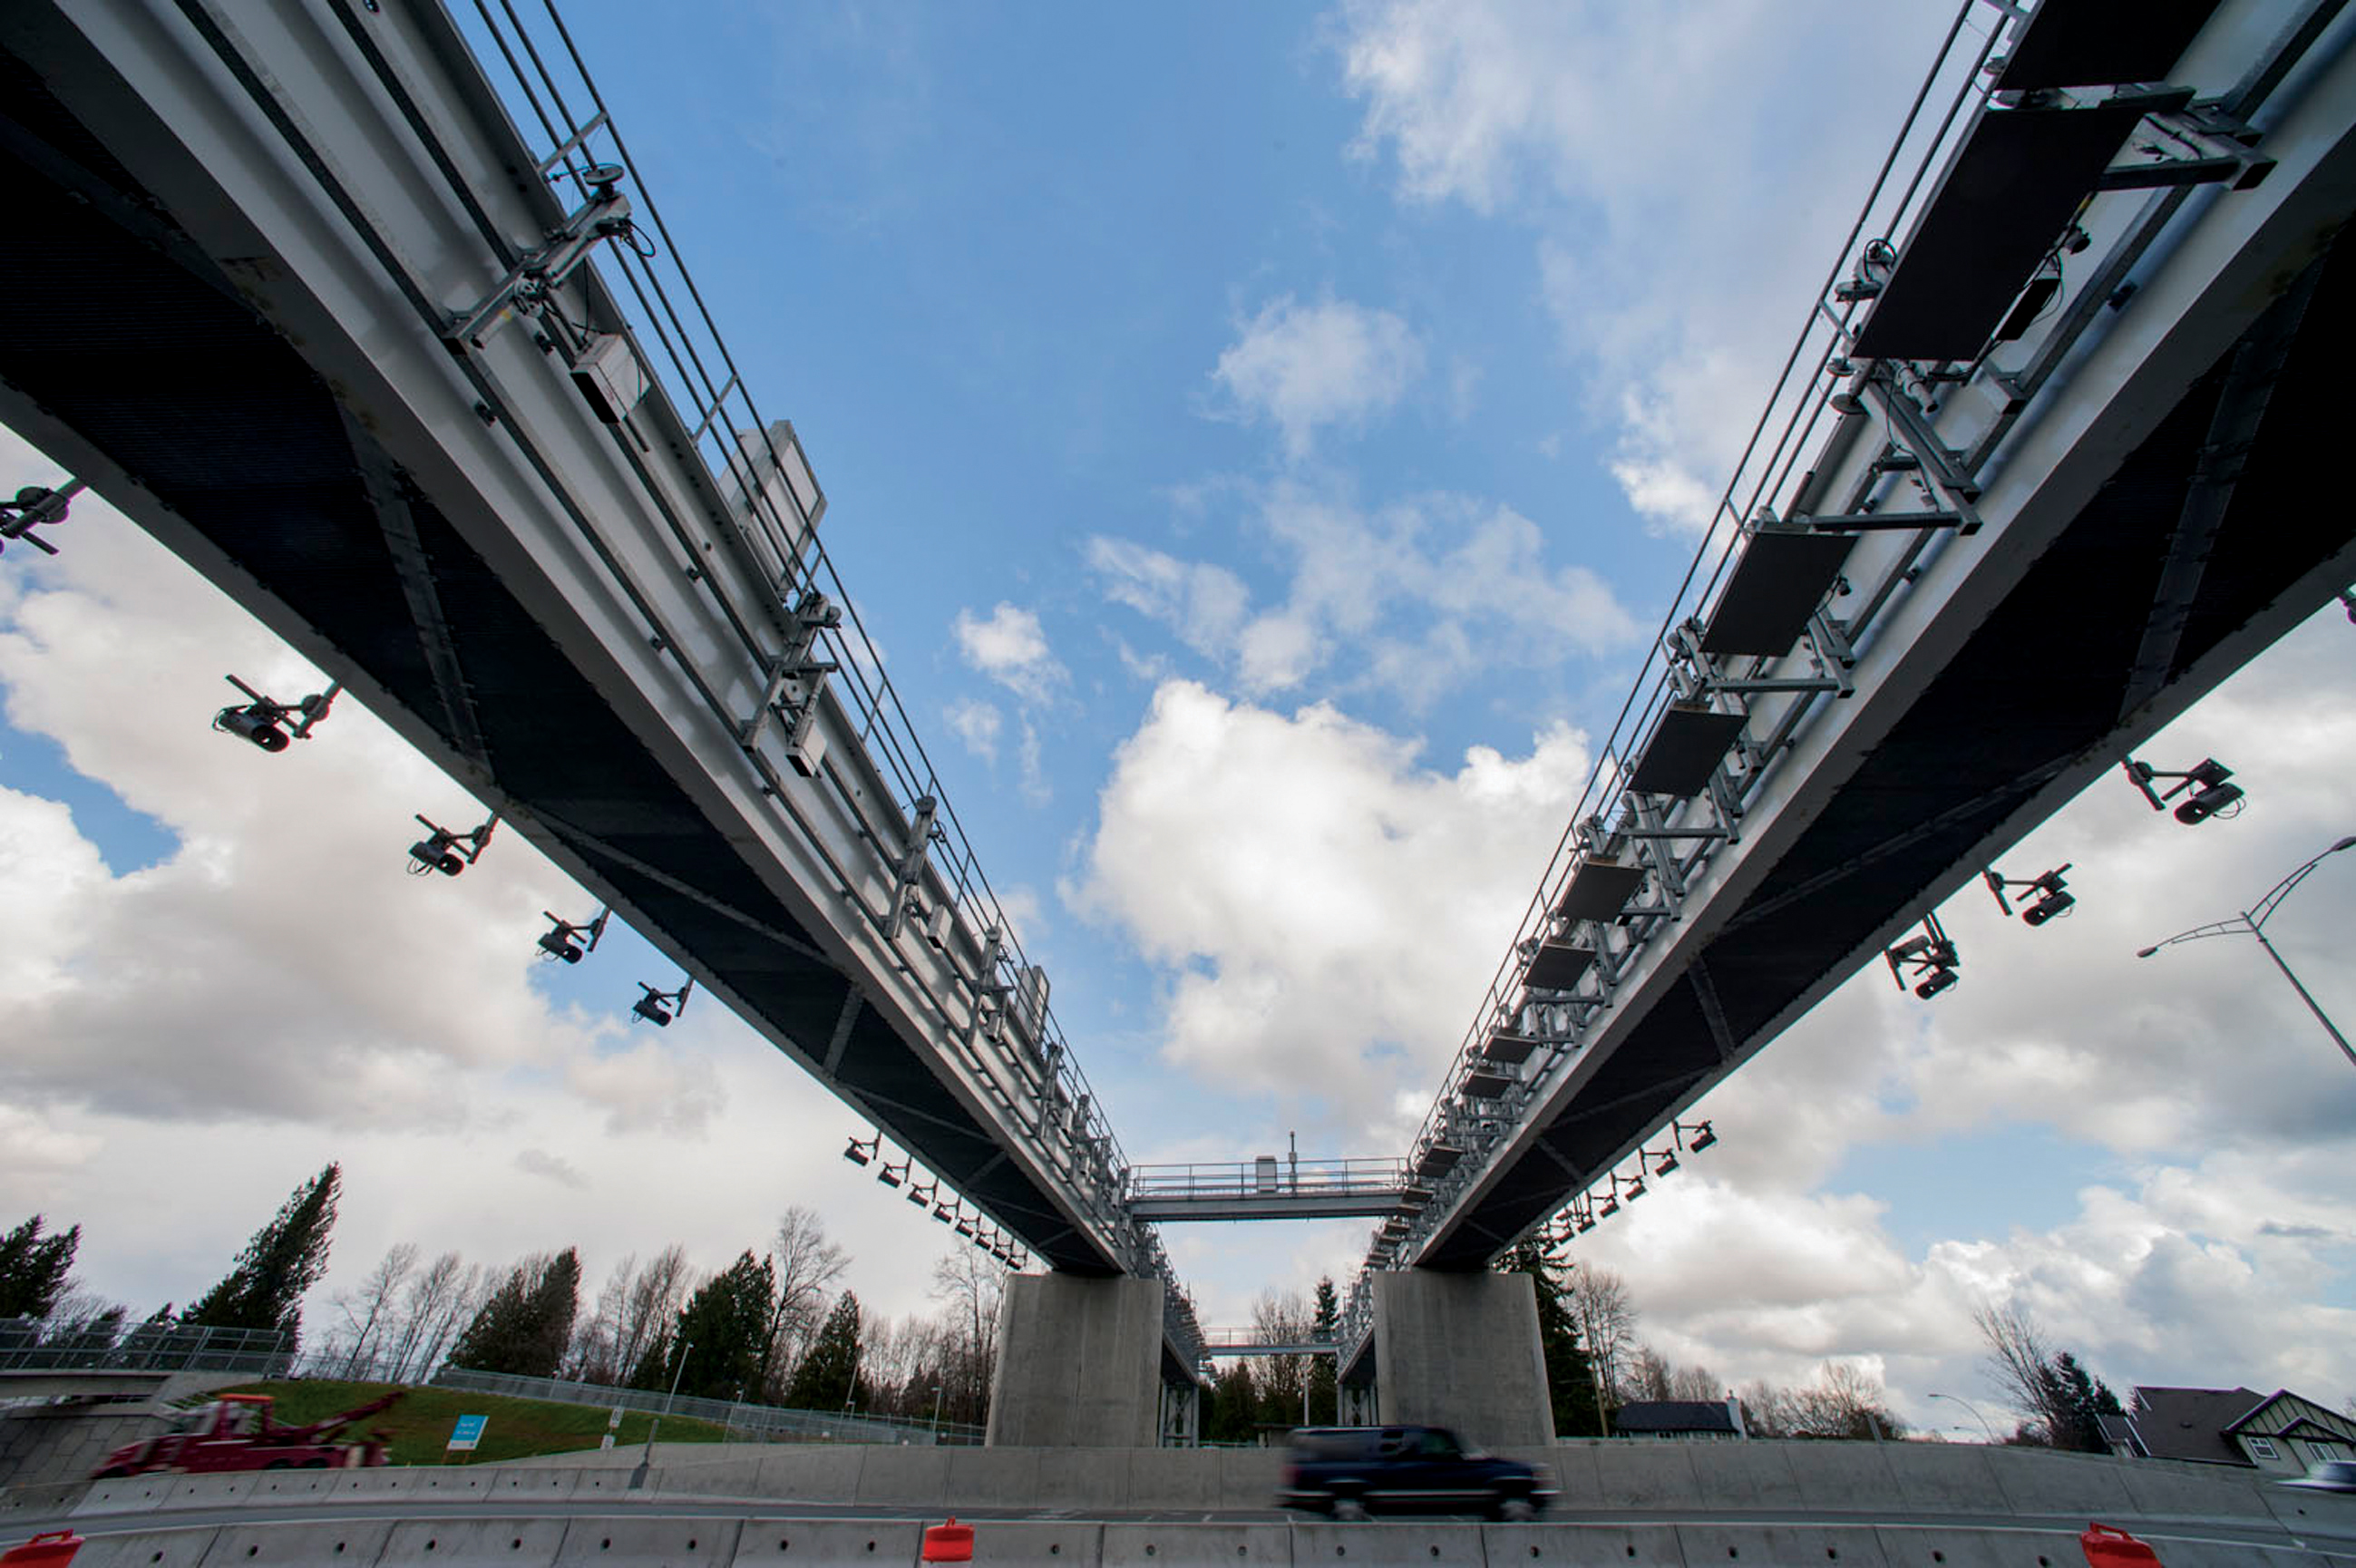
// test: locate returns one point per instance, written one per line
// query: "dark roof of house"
(2191, 1424)
(1675, 1415)
(2116, 1429)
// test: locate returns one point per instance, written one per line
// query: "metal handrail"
(698, 374)
(1247, 1178)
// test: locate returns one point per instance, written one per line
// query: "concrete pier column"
(1461, 1351)
(1080, 1363)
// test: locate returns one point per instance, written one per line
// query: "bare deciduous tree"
(972, 1285)
(1845, 1402)
(370, 1311)
(807, 1263)
(2016, 1360)
(1607, 1325)
(1282, 1319)
(440, 1298)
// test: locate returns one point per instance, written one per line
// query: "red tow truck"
(235, 1433)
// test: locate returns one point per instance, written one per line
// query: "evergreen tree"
(33, 1268)
(1324, 1401)
(286, 1257)
(2075, 1401)
(726, 1327)
(1233, 1409)
(523, 1326)
(1570, 1377)
(654, 1369)
(827, 1378)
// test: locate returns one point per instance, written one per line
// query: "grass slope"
(420, 1425)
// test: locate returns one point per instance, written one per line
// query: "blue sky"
(1261, 440)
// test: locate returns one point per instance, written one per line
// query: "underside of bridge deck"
(128, 353)
(2049, 683)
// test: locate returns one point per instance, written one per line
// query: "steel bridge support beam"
(1080, 1363)
(1461, 1350)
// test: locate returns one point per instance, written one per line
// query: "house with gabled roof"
(2282, 1433)
(1688, 1419)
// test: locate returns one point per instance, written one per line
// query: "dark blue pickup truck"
(1351, 1471)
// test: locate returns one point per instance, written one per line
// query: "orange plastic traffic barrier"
(42, 1551)
(2108, 1547)
(951, 1543)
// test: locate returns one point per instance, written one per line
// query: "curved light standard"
(2253, 920)
(1975, 1415)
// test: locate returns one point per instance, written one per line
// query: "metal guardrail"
(1253, 1342)
(1267, 1177)
(753, 1422)
(24, 1347)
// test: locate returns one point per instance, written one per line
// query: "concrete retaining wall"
(40, 1443)
(1700, 1479)
(623, 1542)
(482, 1513)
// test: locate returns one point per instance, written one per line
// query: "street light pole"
(1968, 1405)
(2253, 920)
(638, 1476)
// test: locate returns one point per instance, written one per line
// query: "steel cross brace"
(815, 613)
(1916, 439)
(911, 868)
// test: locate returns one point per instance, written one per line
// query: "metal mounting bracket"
(605, 216)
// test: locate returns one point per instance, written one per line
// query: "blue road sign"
(467, 1433)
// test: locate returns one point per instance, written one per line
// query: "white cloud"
(551, 1167)
(1012, 650)
(1420, 595)
(1680, 181)
(1308, 366)
(1203, 603)
(976, 724)
(1325, 909)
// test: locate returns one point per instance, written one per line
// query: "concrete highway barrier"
(624, 1541)
(618, 1541)
(1732, 1503)
(828, 1543)
(1193, 1546)
(160, 1549)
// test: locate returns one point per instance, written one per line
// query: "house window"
(2261, 1448)
(2327, 1451)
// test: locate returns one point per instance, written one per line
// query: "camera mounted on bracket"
(447, 852)
(1930, 955)
(564, 942)
(2209, 795)
(37, 506)
(2049, 899)
(659, 1007)
(269, 724)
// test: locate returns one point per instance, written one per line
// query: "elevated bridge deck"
(1984, 543)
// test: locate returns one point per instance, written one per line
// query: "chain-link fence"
(28, 1345)
(746, 1423)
